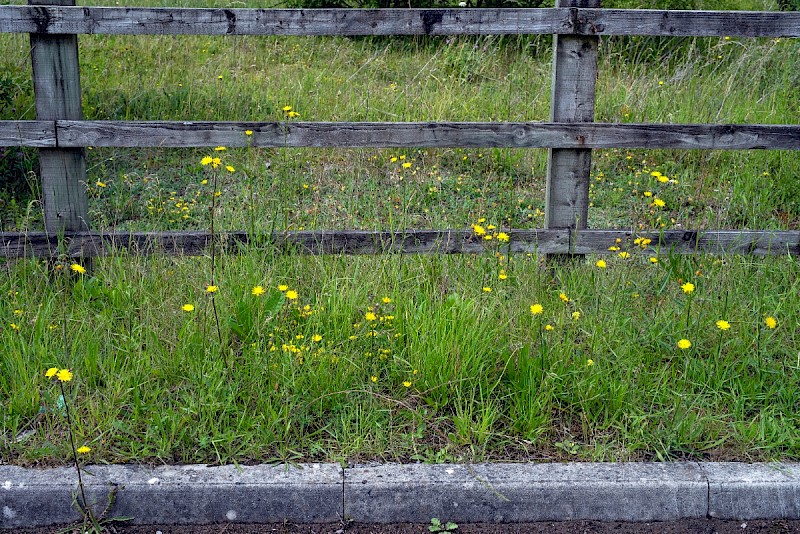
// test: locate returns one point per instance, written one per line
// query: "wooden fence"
(61, 135)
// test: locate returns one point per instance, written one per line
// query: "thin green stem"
(85, 504)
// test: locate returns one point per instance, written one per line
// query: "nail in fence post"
(572, 100)
(57, 88)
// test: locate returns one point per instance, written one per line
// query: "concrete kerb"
(321, 493)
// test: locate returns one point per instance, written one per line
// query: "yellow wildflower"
(537, 309)
(658, 202)
(282, 287)
(478, 229)
(212, 289)
(407, 383)
(502, 275)
(684, 344)
(369, 316)
(576, 315)
(589, 362)
(386, 300)
(771, 322)
(601, 264)
(188, 307)
(77, 268)
(64, 375)
(206, 160)
(50, 373)
(316, 338)
(291, 294)
(563, 297)
(723, 325)
(688, 288)
(248, 132)
(220, 148)
(257, 291)
(83, 449)
(230, 168)
(502, 236)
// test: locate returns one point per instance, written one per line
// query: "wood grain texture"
(214, 21)
(37, 134)
(169, 134)
(92, 244)
(57, 92)
(572, 94)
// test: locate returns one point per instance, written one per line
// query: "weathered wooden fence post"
(57, 88)
(572, 100)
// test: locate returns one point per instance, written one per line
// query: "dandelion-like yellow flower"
(502, 275)
(188, 307)
(613, 248)
(291, 294)
(212, 289)
(230, 168)
(487, 289)
(216, 162)
(684, 344)
(589, 362)
(663, 179)
(98, 183)
(257, 291)
(407, 383)
(653, 260)
(478, 229)
(64, 375)
(292, 114)
(287, 109)
(248, 132)
(502, 236)
(283, 287)
(601, 264)
(316, 338)
(688, 288)
(624, 255)
(386, 300)
(50, 373)
(576, 315)
(369, 316)
(78, 268)
(220, 148)
(537, 309)
(14, 326)
(407, 165)
(563, 297)
(206, 161)
(657, 202)
(771, 322)
(373, 378)
(83, 450)
(723, 325)
(549, 327)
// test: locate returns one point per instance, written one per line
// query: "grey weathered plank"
(91, 244)
(571, 101)
(57, 91)
(426, 134)
(215, 21)
(38, 134)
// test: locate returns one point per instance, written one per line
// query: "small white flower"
(462, 4)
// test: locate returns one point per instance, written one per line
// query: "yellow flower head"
(220, 148)
(291, 294)
(188, 307)
(771, 322)
(537, 309)
(248, 132)
(283, 287)
(212, 289)
(576, 315)
(369, 316)
(688, 288)
(50, 373)
(257, 291)
(316, 338)
(478, 229)
(723, 325)
(657, 202)
(206, 160)
(64, 375)
(98, 183)
(502, 236)
(76, 267)
(653, 260)
(487, 289)
(373, 378)
(386, 300)
(563, 297)
(287, 109)
(624, 255)
(407, 383)
(684, 344)
(601, 264)
(502, 275)
(230, 168)
(83, 450)
(589, 362)
(549, 327)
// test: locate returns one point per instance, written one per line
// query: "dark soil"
(693, 526)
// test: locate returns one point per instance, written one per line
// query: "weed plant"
(412, 358)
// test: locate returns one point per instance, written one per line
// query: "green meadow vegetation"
(257, 356)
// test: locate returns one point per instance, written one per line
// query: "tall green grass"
(431, 358)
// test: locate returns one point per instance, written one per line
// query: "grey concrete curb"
(316, 493)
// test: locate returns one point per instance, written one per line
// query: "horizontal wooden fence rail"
(242, 21)
(558, 241)
(173, 134)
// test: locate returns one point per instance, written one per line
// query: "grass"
(446, 370)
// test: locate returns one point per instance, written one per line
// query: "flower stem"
(86, 508)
